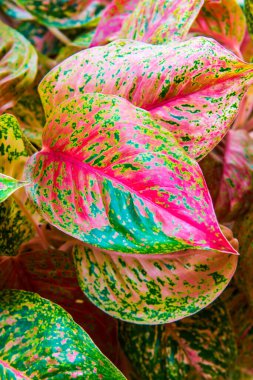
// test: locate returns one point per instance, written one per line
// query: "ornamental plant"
(126, 161)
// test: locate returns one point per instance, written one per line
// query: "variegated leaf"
(113, 178)
(224, 21)
(228, 171)
(153, 289)
(196, 348)
(152, 21)
(39, 340)
(13, 9)
(192, 88)
(30, 115)
(46, 267)
(248, 7)
(67, 14)
(18, 66)
(15, 226)
(8, 185)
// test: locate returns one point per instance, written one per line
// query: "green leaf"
(50, 271)
(15, 226)
(199, 347)
(8, 185)
(39, 340)
(65, 14)
(18, 66)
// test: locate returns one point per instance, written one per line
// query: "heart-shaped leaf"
(152, 21)
(8, 185)
(192, 88)
(112, 177)
(67, 14)
(51, 273)
(153, 289)
(200, 347)
(224, 21)
(15, 226)
(18, 66)
(39, 340)
(228, 171)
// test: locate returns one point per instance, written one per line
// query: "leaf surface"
(51, 273)
(224, 21)
(199, 347)
(15, 226)
(155, 22)
(113, 178)
(192, 88)
(18, 66)
(46, 342)
(8, 185)
(67, 14)
(228, 172)
(153, 289)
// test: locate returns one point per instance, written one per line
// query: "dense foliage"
(126, 161)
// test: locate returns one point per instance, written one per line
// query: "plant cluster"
(126, 159)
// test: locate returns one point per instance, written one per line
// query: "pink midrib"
(65, 157)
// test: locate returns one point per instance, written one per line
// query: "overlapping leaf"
(48, 269)
(15, 226)
(153, 289)
(8, 185)
(200, 347)
(112, 177)
(18, 66)
(192, 88)
(152, 21)
(67, 14)
(228, 171)
(223, 21)
(39, 340)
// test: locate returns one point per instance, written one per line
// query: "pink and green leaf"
(151, 21)
(153, 289)
(228, 171)
(18, 66)
(224, 21)
(49, 271)
(199, 347)
(45, 342)
(112, 177)
(67, 14)
(192, 88)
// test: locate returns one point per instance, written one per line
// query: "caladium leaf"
(15, 226)
(18, 66)
(39, 340)
(65, 15)
(153, 289)
(200, 347)
(152, 21)
(113, 178)
(30, 115)
(50, 272)
(228, 171)
(224, 21)
(14, 10)
(8, 185)
(192, 88)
